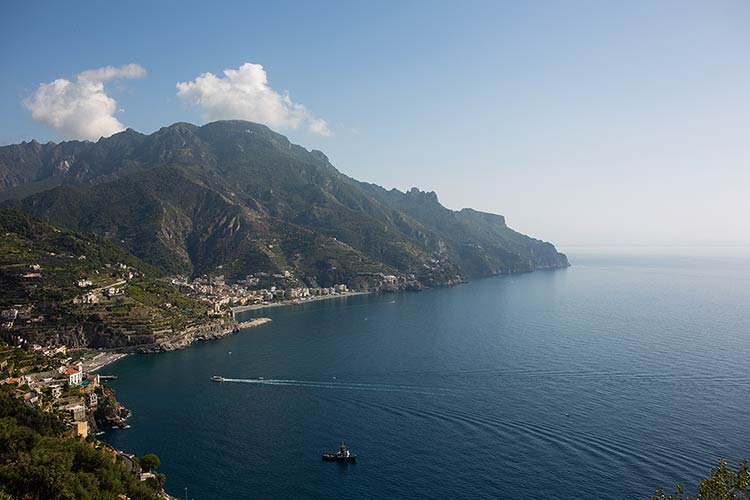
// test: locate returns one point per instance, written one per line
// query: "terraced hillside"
(76, 289)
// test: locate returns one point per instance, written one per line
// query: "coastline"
(199, 333)
(101, 360)
(295, 302)
(106, 357)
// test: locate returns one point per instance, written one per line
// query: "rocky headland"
(211, 331)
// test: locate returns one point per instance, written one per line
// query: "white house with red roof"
(75, 375)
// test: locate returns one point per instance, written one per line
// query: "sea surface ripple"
(610, 379)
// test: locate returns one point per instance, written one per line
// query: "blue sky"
(582, 122)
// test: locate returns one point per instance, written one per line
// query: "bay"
(609, 379)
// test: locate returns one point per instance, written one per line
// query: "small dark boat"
(343, 455)
(217, 378)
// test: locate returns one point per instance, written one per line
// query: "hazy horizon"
(583, 123)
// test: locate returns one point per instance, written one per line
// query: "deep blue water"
(604, 380)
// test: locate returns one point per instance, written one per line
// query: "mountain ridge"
(236, 197)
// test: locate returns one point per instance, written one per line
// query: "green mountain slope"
(40, 269)
(238, 195)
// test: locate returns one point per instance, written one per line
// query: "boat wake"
(347, 386)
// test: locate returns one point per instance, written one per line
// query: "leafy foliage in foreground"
(37, 462)
(723, 484)
(149, 462)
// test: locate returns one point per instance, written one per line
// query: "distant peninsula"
(235, 199)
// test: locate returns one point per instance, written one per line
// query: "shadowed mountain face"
(235, 198)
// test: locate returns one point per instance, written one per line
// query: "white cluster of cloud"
(81, 109)
(244, 93)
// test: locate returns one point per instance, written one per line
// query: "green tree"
(104, 495)
(150, 462)
(722, 484)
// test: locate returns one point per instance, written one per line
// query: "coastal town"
(51, 379)
(262, 289)
(54, 377)
(54, 374)
(110, 288)
(76, 303)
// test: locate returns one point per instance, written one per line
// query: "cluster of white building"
(99, 294)
(58, 385)
(216, 292)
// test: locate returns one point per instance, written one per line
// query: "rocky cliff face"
(211, 331)
(109, 412)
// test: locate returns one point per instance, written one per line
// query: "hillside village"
(52, 380)
(262, 288)
(112, 301)
(222, 295)
(53, 404)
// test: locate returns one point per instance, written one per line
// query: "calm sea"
(605, 380)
